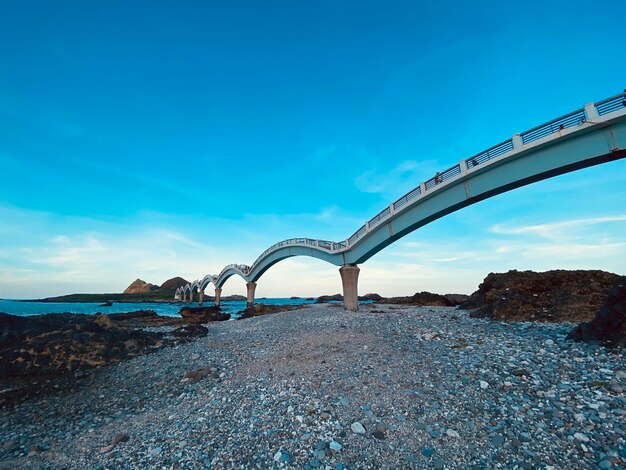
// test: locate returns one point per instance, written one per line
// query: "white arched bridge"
(589, 136)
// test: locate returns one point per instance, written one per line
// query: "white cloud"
(399, 180)
(556, 230)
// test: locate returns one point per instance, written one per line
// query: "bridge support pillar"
(251, 288)
(349, 279)
(200, 298)
(218, 296)
(190, 296)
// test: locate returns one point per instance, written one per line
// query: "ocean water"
(16, 307)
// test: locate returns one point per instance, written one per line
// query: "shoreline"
(387, 387)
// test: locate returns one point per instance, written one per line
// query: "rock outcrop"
(258, 310)
(138, 287)
(203, 314)
(609, 326)
(551, 296)
(63, 342)
(420, 299)
(328, 298)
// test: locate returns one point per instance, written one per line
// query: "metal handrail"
(611, 104)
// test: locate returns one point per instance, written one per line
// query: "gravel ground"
(388, 387)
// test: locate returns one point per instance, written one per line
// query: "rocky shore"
(388, 387)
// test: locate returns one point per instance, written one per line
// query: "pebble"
(484, 385)
(357, 428)
(335, 446)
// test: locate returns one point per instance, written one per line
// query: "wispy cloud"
(556, 230)
(393, 183)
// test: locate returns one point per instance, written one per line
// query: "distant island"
(137, 291)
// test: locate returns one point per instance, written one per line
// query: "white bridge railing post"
(517, 141)
(591, 112)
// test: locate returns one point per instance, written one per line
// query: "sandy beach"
(388, 387)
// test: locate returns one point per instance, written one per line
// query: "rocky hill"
(139, 286)
(172, 284)
(551, 296)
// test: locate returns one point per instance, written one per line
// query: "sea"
(27, 308)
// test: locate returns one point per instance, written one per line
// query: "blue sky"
(154, 139)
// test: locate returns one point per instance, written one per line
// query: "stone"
(357, 428)
(379, 435)
(497, 440)
(155, 452)
(335, 446)
(428, 452)
(605, 465)
(581, 437)
(483, 384)
(452, 433)
(121, 437)
(320, 445)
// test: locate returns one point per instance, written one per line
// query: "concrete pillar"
(350, 279)
(200, 297)
(191, 296)
(251, 288)
(218, 296)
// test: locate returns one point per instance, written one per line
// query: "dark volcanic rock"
(374, 297)
(326, 298)
(551, 296)
(132, 315)
(420, 299)
(63, 342)
(609, 325)
(193, 330)
(263, 309)
(457, 299)
(203, 314)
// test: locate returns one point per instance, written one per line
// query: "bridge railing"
(382, 215)
(575, 118)
(407, 197)
(611, 104)
(491, 152)
(358, 234)
(443, 176)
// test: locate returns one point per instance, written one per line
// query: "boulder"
(203, 314)
(609, 325)
(551, 296)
